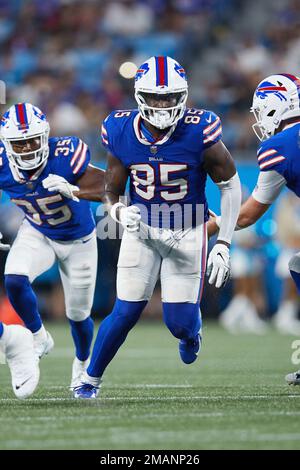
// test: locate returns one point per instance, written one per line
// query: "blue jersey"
(52, 214)
(281, 153)
(169, 171)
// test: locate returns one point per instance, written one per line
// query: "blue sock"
(112, 334)
(296, 277)
(1, 329)
(23, 299)
(82, 332)
(182, 319)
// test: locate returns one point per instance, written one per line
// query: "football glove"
(56, 183)
(3, 246)
(218, 265)
(128, 217)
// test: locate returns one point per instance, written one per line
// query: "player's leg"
(182, 279)
(78, 269)
(30, 255)
(138, 269)
(16, 343)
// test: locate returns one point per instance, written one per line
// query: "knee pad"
(182, 319)
(78, 314)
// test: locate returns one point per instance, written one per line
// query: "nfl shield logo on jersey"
(153, 149)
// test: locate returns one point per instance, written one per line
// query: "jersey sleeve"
(74, 157)
(212, 130)
(108, 134)
(268, 186)
(271, 157)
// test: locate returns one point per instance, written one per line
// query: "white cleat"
(78, 369)
(43, 342)
(21, 359)
(293, 378)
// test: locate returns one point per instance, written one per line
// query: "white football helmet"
(275, 99)
(24, 131)
(161, 91)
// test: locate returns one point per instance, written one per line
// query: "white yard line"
(146, 398)
(141, 440)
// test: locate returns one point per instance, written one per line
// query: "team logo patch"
(267, 88)
(180, 70)
(142, 71)
(153, 149)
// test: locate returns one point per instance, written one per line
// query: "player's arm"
(221, 168)
(267, 189)
(115, 180)
(91, 184)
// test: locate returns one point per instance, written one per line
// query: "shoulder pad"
(113, 125)
(72, 151)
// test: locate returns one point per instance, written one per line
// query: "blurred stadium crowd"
(64, 56)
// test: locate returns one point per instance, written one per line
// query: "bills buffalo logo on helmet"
(4, 119)
(266, 88)
(142, 71)
(180, 70)
(38, 113)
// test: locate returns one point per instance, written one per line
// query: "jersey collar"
(21, 177)
(291, 125)
(143, 138)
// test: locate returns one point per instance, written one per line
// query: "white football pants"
(32, 253)
(177, 256)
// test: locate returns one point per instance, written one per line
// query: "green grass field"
(233, 397)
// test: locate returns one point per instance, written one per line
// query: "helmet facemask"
(36, 153)
(266, 122)
(162, 110)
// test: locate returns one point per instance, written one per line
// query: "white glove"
(218, 265)
(3, 246)
(61, 185)
(129, 217)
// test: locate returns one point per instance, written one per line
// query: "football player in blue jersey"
(276, 107)
(167, 151)
(45, 177)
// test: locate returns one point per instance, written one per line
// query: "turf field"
(233, 397)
